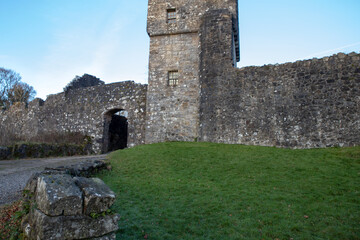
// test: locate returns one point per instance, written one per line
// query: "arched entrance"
(115, 130)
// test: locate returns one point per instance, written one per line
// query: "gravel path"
(15, 173)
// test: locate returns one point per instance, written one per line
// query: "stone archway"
(115, 134)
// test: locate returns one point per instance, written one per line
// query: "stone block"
(32, 182)
(98, 197)
(82, 169)
(42, 226)
(58, 195)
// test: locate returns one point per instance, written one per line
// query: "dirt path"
(15, 173)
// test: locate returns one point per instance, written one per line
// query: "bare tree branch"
(13, 90)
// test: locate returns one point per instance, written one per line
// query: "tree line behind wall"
(13, 90)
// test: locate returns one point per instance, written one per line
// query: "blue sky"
(50, 41)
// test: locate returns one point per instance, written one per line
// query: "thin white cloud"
(70, 53)
(103, 50)
(330, 51)
(77, 50)
(107, 48)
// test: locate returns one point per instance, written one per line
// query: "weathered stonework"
(188, 15)
(312, 103)
(71, 227)
(58, 195)
(64, 206)
(82, 110)
(97, 195)
(306, 104)
(173, 111)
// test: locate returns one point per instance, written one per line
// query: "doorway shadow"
(115, 130)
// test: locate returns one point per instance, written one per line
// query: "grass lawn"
(216, 191)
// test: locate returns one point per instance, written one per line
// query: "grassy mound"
(217, 191)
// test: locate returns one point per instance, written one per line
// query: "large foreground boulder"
(58, 195)
(69, 207)
(98, 197)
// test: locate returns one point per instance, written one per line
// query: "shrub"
(8, 137)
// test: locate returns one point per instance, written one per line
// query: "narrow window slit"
(171, 15)
(173, 78)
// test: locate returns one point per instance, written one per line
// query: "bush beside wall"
(41, 150)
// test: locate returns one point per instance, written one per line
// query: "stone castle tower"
(173, 98)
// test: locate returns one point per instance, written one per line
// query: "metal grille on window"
(171, 15)
(173, 78)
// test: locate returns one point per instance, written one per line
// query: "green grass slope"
(216, 191)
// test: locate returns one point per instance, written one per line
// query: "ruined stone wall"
(82, 110)
(311, 103)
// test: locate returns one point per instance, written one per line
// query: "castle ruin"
(195, 92)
